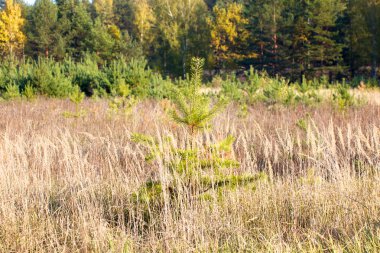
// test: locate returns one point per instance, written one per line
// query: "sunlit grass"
(67, 184)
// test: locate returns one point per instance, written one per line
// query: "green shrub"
(29, 92)
(357, 81)
(15, 72)
(122, 101)
(254, 79)
(138, 76)
(342, 97)
(309, 98)
(372, 82)
(230, 89)
(277, 92)
(76, 97)
(307, 92)
(50, 78)
(160, 88)
(142, 81)
(11, 92)
(89, 77)
(47, 78)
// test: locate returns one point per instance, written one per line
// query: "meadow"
(238, 164)
(68, 183)
(113, 138)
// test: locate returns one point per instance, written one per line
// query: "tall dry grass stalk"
(67, 184)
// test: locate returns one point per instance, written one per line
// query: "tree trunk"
(184, 57)
(374, 32)
(374, 57)
(275, 43)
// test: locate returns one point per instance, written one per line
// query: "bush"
(29, 92)
(342, 97)
(76, 97)
(11, 92)
(138, 76)
(89, 77)
(231, 89)
(56, 79)
(47, 77)
(15, 72)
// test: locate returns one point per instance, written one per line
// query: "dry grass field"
(66, 184)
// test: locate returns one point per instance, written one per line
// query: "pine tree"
(74, 28)
(373, 22)
(325, 53)
(76, 97)
(198, 168)
(193, 108)
(296, 38)
(41, 27)
(12, 38)
(309, 37)
(267, 25)
(102, 41)
(364, 34)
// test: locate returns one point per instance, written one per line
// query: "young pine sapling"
(76, 97)
(199, 167)
(123, 101)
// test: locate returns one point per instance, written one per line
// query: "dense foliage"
(124, 82)
(336, 38)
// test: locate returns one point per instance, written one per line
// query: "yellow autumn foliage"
(228, 31)
(104, 9)
(12, 39)
(144, 19)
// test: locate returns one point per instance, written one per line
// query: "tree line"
(293, 38)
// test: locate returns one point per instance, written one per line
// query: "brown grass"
(66, 184)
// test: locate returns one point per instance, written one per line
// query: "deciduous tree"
(104, 10)
(144, 20)
(228, 33)
(12, 38)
